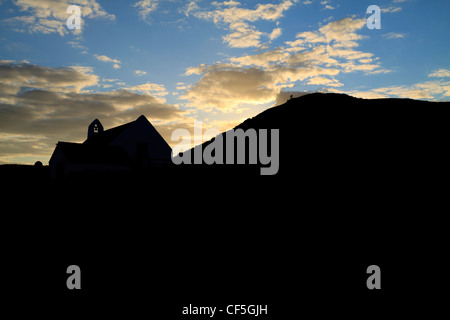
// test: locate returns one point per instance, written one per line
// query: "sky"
(197, 62)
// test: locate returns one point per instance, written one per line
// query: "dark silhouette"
(317, 130)
(337, 136)
(38, 164)
(360, 182)
(94, 128)
(135, 144)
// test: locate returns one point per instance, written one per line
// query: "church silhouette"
(136, 144)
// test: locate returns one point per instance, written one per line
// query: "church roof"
(106, 137)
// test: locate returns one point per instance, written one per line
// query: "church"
(132, 145)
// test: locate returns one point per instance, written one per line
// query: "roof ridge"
(107, 136)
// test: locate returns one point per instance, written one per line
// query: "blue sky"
(218, 62)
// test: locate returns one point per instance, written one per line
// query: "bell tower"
(94, 128)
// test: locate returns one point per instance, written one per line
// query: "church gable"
(141, 140)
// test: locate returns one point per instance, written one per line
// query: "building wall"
(56, 162)
(76, 168)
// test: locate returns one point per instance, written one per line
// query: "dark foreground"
(360, 183)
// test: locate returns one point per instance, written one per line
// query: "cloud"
(315, 58)
(429, 90)
(140, 73)
(182, 86)
(190, 7)
(327, 5)
(426, 90)
(264, 59)
(145, 7)
(275, 33)
(103, 58)
(106, 59)
(238, 21)
(339, 33)
(393, 35)
(324, 81)
(41, 105)
(243, 36)
(150, 89)
(228, 88)
(77, 44)
(391, 9)
(16, 77)
(230, 3)
(441, 73)
(50, 16)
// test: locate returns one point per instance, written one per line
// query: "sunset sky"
(218, 62)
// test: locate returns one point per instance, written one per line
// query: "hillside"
(333, 133)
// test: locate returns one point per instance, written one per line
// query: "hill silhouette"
(331, 133)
